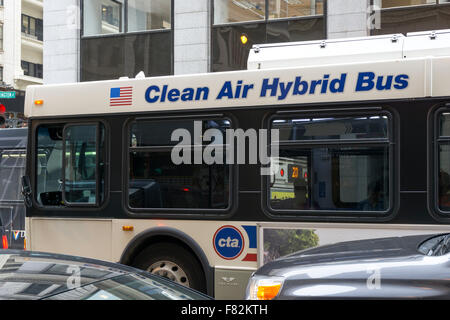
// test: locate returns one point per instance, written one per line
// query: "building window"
(1, 74)
(32, 69)
(108, 16)
(229, 11)
(411, 16)
(32, 27)
(140, 38)
(404, 3)
(103, 16)
(261, 21)
(1, 36)
(292, 8)
(149, 15)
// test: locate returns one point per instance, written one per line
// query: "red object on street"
(5, 242)
(2, 108)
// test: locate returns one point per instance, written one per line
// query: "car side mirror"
(26, 191)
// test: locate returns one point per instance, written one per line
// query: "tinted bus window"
(332, 174)
(332, 128)
(155, 181)
(12, 168)
(443, 145)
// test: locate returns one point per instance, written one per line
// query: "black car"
(387, 268)
(35, 275)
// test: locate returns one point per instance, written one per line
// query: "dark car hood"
(31, 276)
(347, 252)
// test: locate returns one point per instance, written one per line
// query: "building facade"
(88, 40)
(21, 50)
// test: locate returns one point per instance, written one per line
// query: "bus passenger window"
(444, 162)
(346, 169)
(155, 181)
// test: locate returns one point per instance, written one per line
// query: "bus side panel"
(83, 237)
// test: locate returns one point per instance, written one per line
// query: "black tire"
(162, 254)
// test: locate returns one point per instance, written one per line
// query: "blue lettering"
(365, 81)
(148, 94)
(299, 83)
(401, 81)
(173, 95)
(164, 93)
(188, 94)
(272, 87)
(226, 91)
(387, 85)
(200, 91)
(338, 85)
(284, 90)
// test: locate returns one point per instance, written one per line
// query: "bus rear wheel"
(172, 262)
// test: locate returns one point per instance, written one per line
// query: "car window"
(130, 287)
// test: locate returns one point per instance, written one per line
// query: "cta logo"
(228, 242)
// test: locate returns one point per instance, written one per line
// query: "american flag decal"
(122, 96)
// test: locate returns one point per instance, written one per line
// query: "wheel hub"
(169, 270)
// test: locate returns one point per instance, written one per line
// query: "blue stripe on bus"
(251, 231)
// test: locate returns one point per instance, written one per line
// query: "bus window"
(444, 161)
(49, 165)
(79, 177)
(156, 182)
(345, 169)
(12, 167)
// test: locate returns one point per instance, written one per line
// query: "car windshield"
(130, 287)
(436, 246)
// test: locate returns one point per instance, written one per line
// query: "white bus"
(364, 145)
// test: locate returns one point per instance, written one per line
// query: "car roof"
(36, 275)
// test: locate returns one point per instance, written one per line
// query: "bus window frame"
(434, 164)
(392, 143)
(187, 213)
(32, 154)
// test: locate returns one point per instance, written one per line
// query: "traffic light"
(2, 115)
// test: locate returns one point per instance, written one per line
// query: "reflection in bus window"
(156, 182)
(332, 177)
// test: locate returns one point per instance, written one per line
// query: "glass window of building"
(404, 3)
(102, 17)
(229, 11)
(1, 36)
(149, 15)
(294, 8)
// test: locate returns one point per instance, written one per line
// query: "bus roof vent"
(427, 43)
(322, 52)
(350, 50)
